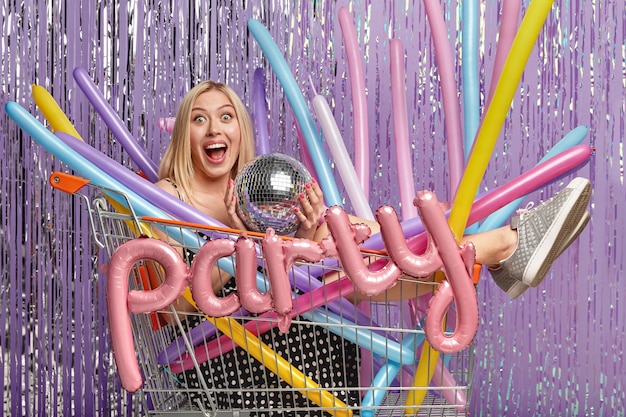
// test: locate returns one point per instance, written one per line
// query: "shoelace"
(525, 210)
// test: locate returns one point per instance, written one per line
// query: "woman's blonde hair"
(176, 163)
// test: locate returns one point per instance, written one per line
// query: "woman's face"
(214, 135)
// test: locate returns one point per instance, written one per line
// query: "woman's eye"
(226, 117)
(200, 119)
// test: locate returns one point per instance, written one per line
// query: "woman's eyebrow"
(230, 106)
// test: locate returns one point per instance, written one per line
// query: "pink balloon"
(266, 321)
(366, 372)
(506, 34)
(304, 152)
(343, 242)
(365, 280)
(359, 108)
(167, 124)
(450, 390)
(467, 317)
(251, 298)
(393, 237)
(121, 302)
(401, 130)
(457, 263)
(279, 279)
(202, 288)
(280, 257)
(359, 99)
(451, 106)
(531, 180)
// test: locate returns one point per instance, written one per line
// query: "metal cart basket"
(334, 355)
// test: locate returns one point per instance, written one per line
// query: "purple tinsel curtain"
(556, 350)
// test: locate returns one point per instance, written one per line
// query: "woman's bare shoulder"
(168, 186)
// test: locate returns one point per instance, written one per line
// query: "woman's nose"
(212, 128)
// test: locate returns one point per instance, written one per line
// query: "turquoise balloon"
(83, 168)
(303, 115)
(469, 68)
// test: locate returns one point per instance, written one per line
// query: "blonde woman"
(212, 140)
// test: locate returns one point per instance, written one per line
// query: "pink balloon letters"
(342, 243)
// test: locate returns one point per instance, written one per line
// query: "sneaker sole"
(559, 232)
(519, 287)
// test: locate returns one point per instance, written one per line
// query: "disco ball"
(267, 191)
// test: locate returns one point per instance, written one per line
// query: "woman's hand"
(311, 210)
(231, 207)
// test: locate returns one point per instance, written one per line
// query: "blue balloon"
(388, 372)
(469, 68)
(86, 168)
(300, 110)
(155, 198)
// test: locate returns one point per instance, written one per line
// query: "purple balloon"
(260, 113)
(115, 124)
(172, 205)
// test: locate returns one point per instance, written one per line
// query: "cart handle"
(72, 184)
(67, 183)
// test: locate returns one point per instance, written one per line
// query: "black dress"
(237, 381)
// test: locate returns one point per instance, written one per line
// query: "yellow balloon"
(253, 345)
(230, 327)
(421, 381)
(52, 112)
(276, 363)
(495, 115)
(144, 228)
(486, 138)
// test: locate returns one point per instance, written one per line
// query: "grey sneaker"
(515, 288)
(542, 231)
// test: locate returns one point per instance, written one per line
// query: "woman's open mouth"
(216, 151)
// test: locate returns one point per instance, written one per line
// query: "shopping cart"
(336, 356)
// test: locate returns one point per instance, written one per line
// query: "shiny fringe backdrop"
(558, 350)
